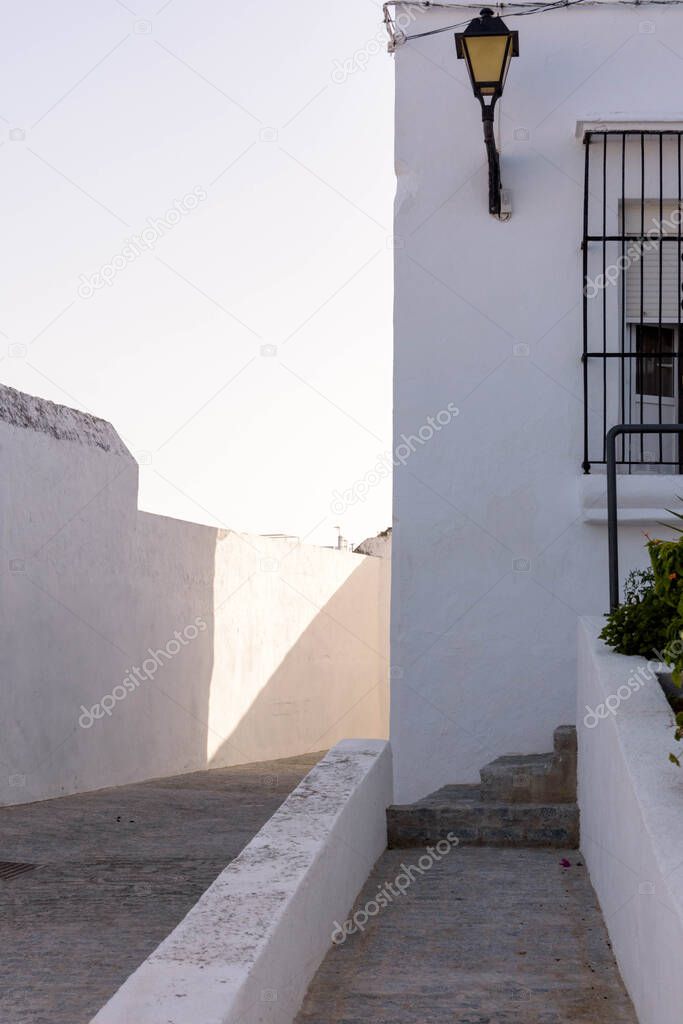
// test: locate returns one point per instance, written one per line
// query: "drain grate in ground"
(9, 869)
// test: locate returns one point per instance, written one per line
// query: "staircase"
(522, 800)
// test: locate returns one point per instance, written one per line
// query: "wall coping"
(249, 948)
(28, 412)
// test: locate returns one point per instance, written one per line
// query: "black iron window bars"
(632, 296)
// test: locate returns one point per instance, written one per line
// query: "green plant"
(679, 515)
(678, 736)
(667, 563)
(638, 583)
(641, 624)
(650, 622)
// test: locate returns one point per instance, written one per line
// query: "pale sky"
(245, 355)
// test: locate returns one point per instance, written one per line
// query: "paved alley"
(485, 936)
(117, 869)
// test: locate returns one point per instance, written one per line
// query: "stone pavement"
(485, 936)
(118, 869)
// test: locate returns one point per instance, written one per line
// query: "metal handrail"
(612, 525)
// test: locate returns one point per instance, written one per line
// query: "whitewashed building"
(544, 326)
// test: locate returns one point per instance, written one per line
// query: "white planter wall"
(493, 554)
(631, 801)
(291, 657)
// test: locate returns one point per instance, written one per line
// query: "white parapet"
(248, 949)
(631, 801)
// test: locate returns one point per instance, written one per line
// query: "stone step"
(534, 778)
(475, 821)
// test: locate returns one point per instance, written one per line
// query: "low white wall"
(248, 949)
(196, 647)
(631, 801)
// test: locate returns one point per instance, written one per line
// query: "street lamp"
(488, 46)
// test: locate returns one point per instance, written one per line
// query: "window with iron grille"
(632, 304)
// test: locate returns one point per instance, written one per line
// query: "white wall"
(631, 801)
(492, 558)
(290, 653)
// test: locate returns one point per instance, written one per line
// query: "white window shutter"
(642, 276)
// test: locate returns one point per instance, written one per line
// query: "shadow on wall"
(135, 646)
(307, 704)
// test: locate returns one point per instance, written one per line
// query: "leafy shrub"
(650, 622)
(639, 582)
(678, 736)
(651, 619)
(667, 563)
(641, 624)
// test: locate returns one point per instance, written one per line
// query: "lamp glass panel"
(487, 58)
(508, 58)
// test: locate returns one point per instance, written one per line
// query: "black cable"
(536, 9)
(540, 9)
